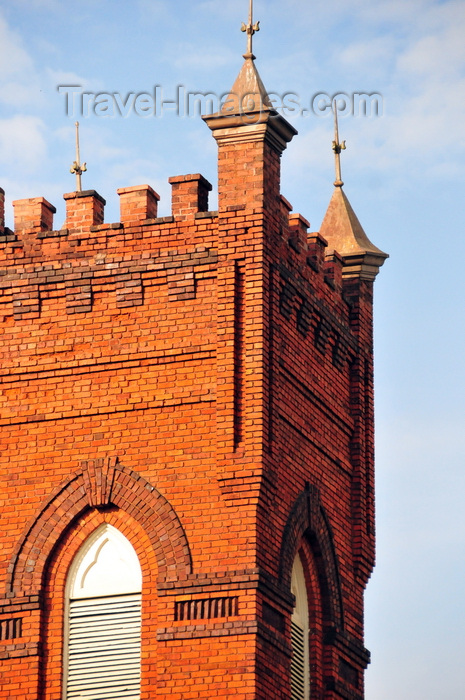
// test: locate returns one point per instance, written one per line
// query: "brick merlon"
(35, 214)
(138, 203)
(189, 195)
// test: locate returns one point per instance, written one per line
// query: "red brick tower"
(187, 437)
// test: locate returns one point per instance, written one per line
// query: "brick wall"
(203, 382)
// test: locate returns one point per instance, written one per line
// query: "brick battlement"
(36, 260)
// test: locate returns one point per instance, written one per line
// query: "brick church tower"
(186, 484)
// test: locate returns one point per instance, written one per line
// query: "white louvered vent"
(300, 662)
(297, 662)
(104, 648)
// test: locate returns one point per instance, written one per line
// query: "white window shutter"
(103, 648)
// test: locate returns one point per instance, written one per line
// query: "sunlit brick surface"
(203, 382)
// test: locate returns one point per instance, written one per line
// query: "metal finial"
(337, 148)
(250, 28)
(76, 167)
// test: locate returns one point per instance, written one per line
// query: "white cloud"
(22, 142)
(97, 144)
(157, 10)
(14, 58)
(225, 8)
(424, 105)
(38, 4)
(21, 95)
(23, 86)
(19, 84)
(310, 147)
(407, 14)
(369, 58)
(61, 77)
(438, 54)
(189, 55)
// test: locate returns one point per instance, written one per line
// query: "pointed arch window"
(103, 620)
(300, 666)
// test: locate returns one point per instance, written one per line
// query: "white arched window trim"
(300, 664)
(103, 620)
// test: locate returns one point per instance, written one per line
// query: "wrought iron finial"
(337, 148)
(76, 167)
(250, 29)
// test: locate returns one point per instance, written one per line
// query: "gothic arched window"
(300, 666)
(103, 619)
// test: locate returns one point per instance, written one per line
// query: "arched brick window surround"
(99, 484)
(308, 521)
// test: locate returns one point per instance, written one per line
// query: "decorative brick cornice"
(24, 287)
(220, 629)
(311, 314)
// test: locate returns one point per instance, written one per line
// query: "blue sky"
(403, 174)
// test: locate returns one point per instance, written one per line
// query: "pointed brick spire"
(248, 94)
(343, 230)
(251, 137)
(344, 233)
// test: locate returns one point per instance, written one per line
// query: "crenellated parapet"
(35, 255)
